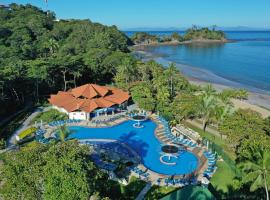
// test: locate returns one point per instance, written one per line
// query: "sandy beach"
(257, 100)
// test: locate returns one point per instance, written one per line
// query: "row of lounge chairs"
(172, 137)
(140, 172)
(40, 132)
(42, 139)
(211, 157)
(177, 182)
(62, 122)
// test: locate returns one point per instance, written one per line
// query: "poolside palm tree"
(258, 172)
(63, 133)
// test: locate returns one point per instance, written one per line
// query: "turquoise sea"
(244, 62)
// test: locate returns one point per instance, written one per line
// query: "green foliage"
(144, 38)
(49, 116)
(157, 192)
(245, 131)
(257, 171)
(223, 178)
(142, 94)
(196, 33)
(63, 132)
(267, 125)
(54, 171)
(36, 51)
(184, 106)
(126, 73)
(177, 37)
(7, 129)
(2, 143)
(233, 93)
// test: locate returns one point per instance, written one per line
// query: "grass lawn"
(126, 192)
(157, 192)
(223, 178)
(50, 115)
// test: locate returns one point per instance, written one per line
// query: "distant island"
(193, 34)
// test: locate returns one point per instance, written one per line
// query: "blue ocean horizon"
(242, 63)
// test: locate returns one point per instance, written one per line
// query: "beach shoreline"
(141, 46)
(258, 100)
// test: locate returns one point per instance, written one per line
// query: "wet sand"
(258, 100)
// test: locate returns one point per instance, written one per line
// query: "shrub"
(2, 143)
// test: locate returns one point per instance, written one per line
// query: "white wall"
(78, 115)
(60, 109)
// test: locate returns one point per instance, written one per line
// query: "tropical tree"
(241, 126)
(162, 98)
(53, 45)
(184, 106)
(126, 72)
(37, 70)
(209, 90)
(63, 132)
(142, 94)
(206, 109)
(171, 73)
(54, 171)
(257, 172)
(221, 112)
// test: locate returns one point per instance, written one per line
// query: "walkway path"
(208, 129)
(144, 191)
(26, 123)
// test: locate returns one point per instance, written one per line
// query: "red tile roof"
(89, 97)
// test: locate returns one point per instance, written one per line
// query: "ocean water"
(244, 62)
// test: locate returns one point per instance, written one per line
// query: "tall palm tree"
(209, 90)
(171, 73)
(258, 172)
(221, 112)
(206, 109)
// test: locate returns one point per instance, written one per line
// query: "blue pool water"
(144, 142)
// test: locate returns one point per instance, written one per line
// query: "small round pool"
(145, 144)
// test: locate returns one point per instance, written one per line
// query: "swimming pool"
(144, 142)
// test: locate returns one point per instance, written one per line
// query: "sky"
(161, 13)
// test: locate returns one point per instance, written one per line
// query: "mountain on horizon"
(233, 28)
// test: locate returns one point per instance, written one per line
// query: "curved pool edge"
(140, 158)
